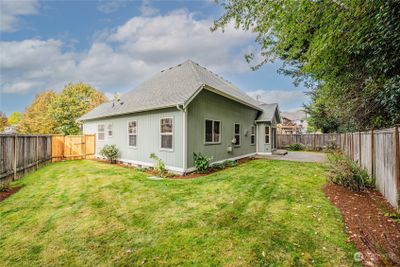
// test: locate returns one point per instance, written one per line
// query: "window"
(109, 130)
(267, 134)
(237, 134)
(100, 132)
(213, 132)
(166, 133)
(132, 134)
(253, 135)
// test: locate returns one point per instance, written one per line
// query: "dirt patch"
(8, 192)
(374, 233)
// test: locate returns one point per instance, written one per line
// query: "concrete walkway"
(300, 156)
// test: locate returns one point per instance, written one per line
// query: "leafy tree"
(36, 119)
(3, 121)
(74, 101)
(347, 52)
(14, 118)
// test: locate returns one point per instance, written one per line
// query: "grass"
(89, 213)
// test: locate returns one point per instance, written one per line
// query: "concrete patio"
(302, 156)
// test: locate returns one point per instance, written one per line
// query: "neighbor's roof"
(174, 86)
(269, 111)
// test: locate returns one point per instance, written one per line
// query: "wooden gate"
(69, 147)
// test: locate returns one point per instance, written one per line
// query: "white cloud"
(288, 100)
(110, 6)
(12, 10)
(147, 10)
(122, 57)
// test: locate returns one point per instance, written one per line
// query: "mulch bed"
(375, 235)
(8, 192)
(191, 175)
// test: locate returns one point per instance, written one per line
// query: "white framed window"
(100, 132)
(166, 133)
(212, 132)
(267, 128)
(253, 135)
(110, 130)
(132, 133)
(237, 134)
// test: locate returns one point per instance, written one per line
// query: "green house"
(183, 110)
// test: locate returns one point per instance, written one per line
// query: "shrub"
(201, 162)
(218, 166)
(5, 186)
(229, 163)
(347, 173)
(111, 152)
(331, 145)
(296, 147)
(159, 166)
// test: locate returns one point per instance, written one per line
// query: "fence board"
(20, 154)
(375, 151)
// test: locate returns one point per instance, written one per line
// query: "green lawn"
(90, 213)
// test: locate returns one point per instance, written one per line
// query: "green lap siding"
(148, 136)
(208, 105)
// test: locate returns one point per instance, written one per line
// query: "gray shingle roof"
(170, 87)
(269, 111)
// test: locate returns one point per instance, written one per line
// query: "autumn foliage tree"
(74, 101)
(36, 119)
(14, 118)
(3, 121)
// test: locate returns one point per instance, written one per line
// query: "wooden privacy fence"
(20, 154)
(376, 151)
(72, 147)
(310, 141)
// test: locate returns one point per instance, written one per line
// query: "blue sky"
(115, 45)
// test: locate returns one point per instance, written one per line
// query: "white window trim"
(269, 135)
(172, 133)
(127, 131)
(253, 134)
(212, 132)
(104, 132)
(240, 134)
(112, 130)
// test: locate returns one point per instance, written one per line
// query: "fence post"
(372, 153)
(359, 148)
(15, 157)
(37, 152)
(84, 145)
(352, 147)
(397, 163)
(314, 141)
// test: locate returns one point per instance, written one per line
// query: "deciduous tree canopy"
(74, 101)
(36, 119)
(3, 121)
(14, 118)
(346, 51)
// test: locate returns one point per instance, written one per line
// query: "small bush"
(296, 147)
(218, 166)
(201, 162)
(331, 145)
(347, 173)
(5, 186)
(229, 163)
(159, 166)
(111, 152)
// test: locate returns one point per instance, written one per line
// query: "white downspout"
(184, 136)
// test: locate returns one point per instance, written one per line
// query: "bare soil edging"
(375, 235)
(8, 192)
